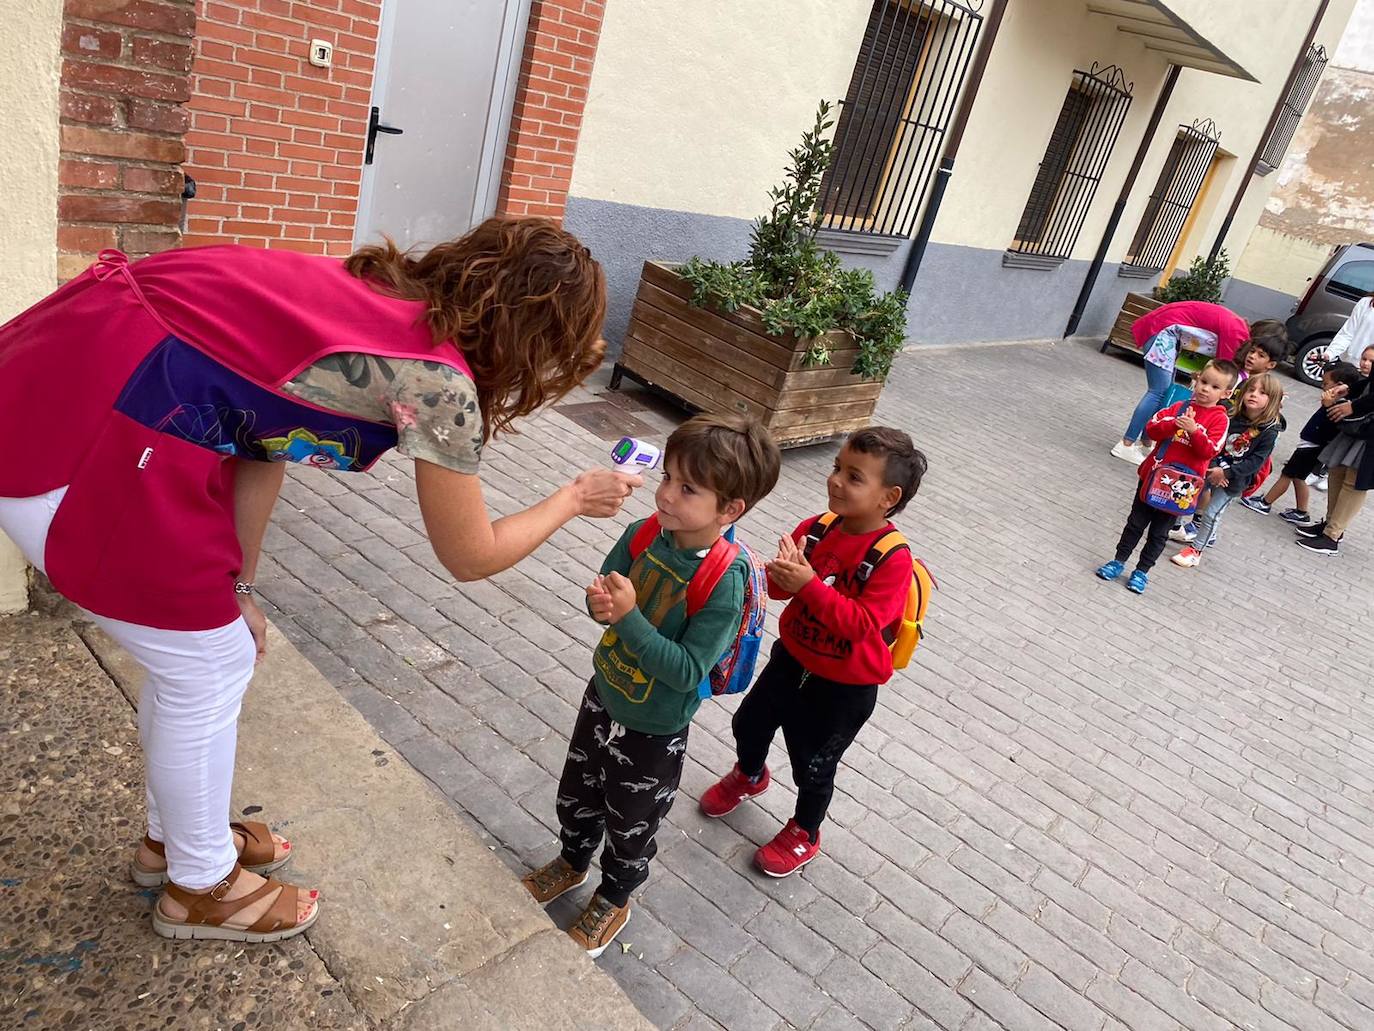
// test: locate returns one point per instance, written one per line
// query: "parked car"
(1346, 277)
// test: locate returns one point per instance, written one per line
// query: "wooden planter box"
(1134, 306)
(711, 361)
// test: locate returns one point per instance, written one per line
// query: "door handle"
(374, 126)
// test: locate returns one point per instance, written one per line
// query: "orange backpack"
(905, 634)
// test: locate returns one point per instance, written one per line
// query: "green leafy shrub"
(797, 286)
(1202, 282)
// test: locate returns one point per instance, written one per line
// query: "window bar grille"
(1074, 163)
(896, 92)
(1293, 107)
(1173, 197)
(895, 113)
(934, 106)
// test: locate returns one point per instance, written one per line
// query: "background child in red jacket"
(832, 653)
(1194, 432)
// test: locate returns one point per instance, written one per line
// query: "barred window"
(1166, 211)
(1084, 134)
(894, 115)
(1299, 96)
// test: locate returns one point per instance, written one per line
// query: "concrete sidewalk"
(423, 928)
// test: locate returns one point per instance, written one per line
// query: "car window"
(1354, 279)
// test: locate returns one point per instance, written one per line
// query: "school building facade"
(987, 151)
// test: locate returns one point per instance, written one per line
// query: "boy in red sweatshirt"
(832, 653)
(1193, 432)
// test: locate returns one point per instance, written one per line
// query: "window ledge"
(851, 241)
(1136, 272)
(1041, 262)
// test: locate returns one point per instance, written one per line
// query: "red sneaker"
(788, 852)
(725, 795)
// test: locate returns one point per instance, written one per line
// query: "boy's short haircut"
(1271, 330)
(733, 455)
(1228, 369)
(905, 464)
(1275, 346)
(1344, 373)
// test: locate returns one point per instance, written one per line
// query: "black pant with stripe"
(618, 783)
(819, 720)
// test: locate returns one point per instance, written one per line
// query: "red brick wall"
(125, 75)
(560, 47)
(276, 144)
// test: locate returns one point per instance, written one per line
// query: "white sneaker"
(1185, 534)
(1320, 484)
(1128, 453)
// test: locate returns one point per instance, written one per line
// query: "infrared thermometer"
(635, 454)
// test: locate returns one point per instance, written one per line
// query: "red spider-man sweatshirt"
(834, 625)
(1193, 450)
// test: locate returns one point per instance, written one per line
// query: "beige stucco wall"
(694, 106)
(30, 31)
(1024, 88)
(1323, 194)
(1280, 261)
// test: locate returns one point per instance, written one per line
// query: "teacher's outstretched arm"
(472, 547)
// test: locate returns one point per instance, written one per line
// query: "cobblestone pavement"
(1079, 808)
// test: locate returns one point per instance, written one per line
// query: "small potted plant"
(1202, 282)
(788, 335)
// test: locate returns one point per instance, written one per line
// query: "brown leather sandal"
(206, 914)
(258, 855)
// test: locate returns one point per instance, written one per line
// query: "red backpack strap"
(713, 567)
(644, 536)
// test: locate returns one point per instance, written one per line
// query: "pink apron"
(135, 384)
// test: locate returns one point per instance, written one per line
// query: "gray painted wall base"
(962, 294)
(1252, 301)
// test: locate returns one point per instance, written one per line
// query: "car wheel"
(1307, 364)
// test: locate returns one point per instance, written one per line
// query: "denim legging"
(1157, 382)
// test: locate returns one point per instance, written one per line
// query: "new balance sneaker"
(1258, 504)
(788, 852)
(1128, 453)
(1319, 483)
(1314, 530)
(552, 880)
(1185, 534)
(1296, 516)
(1322, 545)
(725, 795)
(1138, 582)
(1187, 558)
(1111, 570)
(598, 925)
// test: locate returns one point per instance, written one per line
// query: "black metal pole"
(1090, 280)
(956, 135)
(1268, 130)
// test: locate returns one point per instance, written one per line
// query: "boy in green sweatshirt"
(627, 749)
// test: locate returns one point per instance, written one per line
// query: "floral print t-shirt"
(432, 405)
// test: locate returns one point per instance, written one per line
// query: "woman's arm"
(472, 547)
(1352, 333)
(256, 486)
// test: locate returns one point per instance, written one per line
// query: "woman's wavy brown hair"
(522, 298)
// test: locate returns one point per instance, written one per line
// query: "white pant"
(188, 714)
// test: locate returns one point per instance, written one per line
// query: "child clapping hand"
(790, 570)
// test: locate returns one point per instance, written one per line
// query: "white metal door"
(446, 72)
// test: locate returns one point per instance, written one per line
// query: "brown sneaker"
(598, 925)
(552, 879)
